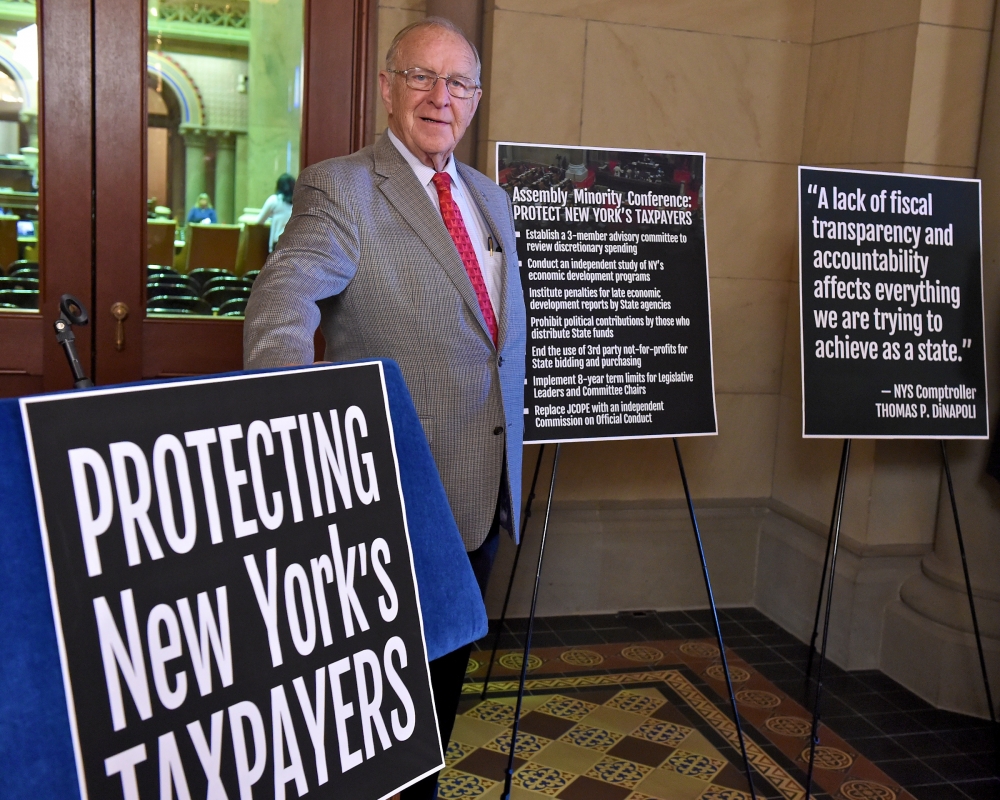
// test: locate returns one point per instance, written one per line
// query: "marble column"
(577, 169)
(194, 170)
(240, 191)
(225, 177)
(274, 94)
(929, 643)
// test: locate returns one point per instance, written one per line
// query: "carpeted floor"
(615, 711)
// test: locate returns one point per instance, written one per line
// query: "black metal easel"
(841, 476)
(513, 571)
(832, 544)
(968, 584)
(509, 773)
(715, 619)
(826, 588)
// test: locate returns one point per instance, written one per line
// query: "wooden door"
(94, 168)
(58, 115)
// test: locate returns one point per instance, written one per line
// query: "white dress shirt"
(475, 223)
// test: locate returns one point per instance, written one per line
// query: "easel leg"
(838, 514)
(822, 577)
(715, 619)
(509, 775)
(968, 583)
(513, 572)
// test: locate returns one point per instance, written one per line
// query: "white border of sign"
(26, 401)
(982, 300)
(708, 285)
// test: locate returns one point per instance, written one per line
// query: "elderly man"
(398, 251)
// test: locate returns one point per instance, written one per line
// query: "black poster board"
(233, 589)
(891, 299)
(614, 268)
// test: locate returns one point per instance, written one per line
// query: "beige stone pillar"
(194, 170)
(225, 177)
(929, 644)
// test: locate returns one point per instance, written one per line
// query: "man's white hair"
(429, 22)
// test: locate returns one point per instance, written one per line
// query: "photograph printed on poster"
(614, 268)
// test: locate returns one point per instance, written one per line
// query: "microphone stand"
(72, 313)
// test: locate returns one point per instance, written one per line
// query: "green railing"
(230, 15)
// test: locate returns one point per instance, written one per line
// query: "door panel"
(179, 347)
(30, 359)
(120, 192)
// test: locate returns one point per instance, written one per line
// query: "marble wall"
(762, 86)
(728, 79)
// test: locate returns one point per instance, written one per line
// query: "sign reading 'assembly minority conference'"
(614, 269)
(890, 278)
(233, 587)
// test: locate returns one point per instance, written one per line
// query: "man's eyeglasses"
(423, 80)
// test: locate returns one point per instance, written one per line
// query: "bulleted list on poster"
(890, 276)
(233, 587)
(611, 245)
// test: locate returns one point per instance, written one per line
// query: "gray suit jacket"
(366, 256)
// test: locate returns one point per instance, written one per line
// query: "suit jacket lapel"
(508, 244)
(401, 188)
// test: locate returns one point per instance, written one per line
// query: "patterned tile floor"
(597, 744)
(929, 753)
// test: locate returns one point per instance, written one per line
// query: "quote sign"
(233, 589)
(890, 281)
(611, 245)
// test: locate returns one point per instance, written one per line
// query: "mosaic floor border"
(688, 673)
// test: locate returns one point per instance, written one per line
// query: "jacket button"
(499, 361)
(498, 430)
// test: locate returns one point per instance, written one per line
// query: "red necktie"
(452, 217)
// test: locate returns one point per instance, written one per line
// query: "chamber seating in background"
(211, 247)
(160, 235)
(203, 275)
(155, 270)
(157, 288)
(202, 291)
(22, 281)
(28, 268)
(234, 307)
(19, 287)
(19, 298)
(217, 296)
(253, 251)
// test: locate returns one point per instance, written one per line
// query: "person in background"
(203, 211)
(278, 208)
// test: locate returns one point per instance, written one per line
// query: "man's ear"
(385, 89)
(475, 101)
